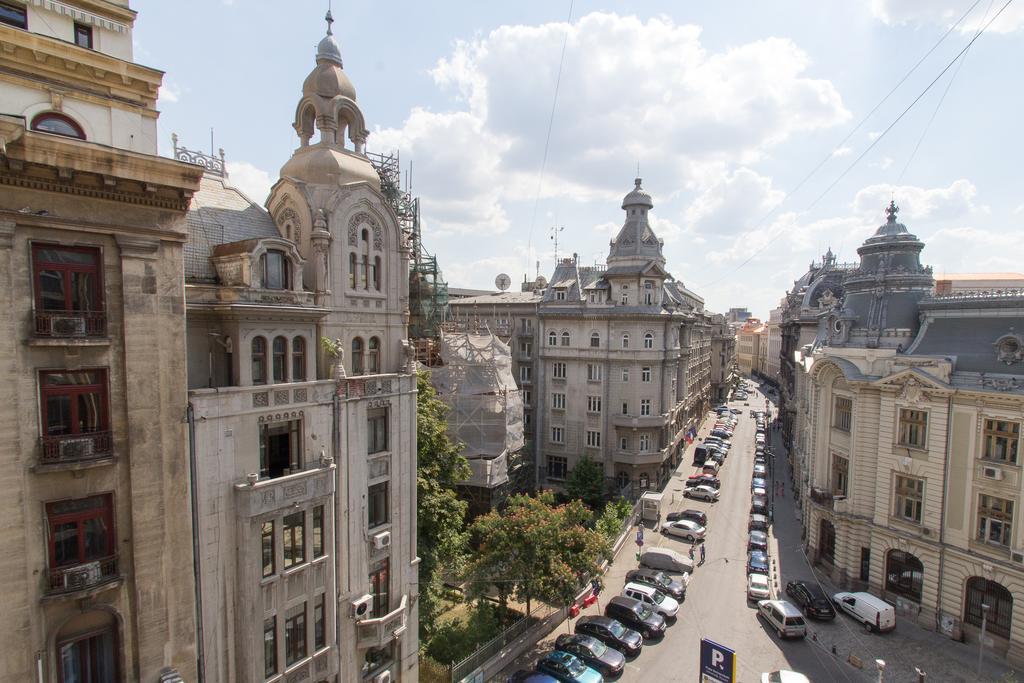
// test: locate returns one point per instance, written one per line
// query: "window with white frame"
(625, 341)
(645, 406)
(565, 338)
(842, 413)
(558, 370)
(558, 401)
(645, 442)
(526, 349)
(558, 435)
(1001, 439)
(558, 467)
(995, 520)
(593, 404)
(649, 340)
(913, 428)
(625, 374)
(645, 374)
(527, 396)
(560, 294)
(593, 439)
(525, 373)
(552, 339)
(909, 498)
(593, 372)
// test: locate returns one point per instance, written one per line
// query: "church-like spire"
(330, 20)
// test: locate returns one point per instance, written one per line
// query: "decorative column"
(320, 241)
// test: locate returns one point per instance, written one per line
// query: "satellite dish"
(503, 282)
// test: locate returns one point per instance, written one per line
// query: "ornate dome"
(638, 197)
(327, 80)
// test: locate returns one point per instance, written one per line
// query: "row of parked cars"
(758, 569)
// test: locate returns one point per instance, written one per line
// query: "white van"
(666, 559)
(783, 617)
(876, 614)
(653, 598)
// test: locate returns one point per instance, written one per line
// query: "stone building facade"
(306, 511)
(914, 405)
(99, 568)
(723, 359)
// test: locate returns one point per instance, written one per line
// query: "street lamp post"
(981, 641)
(880, 663)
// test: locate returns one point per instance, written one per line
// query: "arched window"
(259, 360)
(299, 359)
(353, 274)
(366, 259)
(552, 339)
(357, 356)
(373, 356)
(980, 592)
(376, 273)
(827, 541)
(275, 270)
(595, 340)
(625, 341)
(280, 365)
(904, 574)
(648, 340)
(57, 124)
(565, 339)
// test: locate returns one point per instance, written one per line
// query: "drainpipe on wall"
(190, 416)
(942, 510)
(336, 448)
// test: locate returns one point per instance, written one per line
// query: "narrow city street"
(716, 605)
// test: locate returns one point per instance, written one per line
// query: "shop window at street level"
(999, 600)
(904, 574)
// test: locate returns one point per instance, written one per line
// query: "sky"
(765, 131)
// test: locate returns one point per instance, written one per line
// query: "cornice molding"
(134, 246)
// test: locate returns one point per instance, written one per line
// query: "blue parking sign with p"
(717, 663)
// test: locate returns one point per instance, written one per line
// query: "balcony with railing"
(69, 327)
(82, 580)
(821, 497)
(379, 631)
(641, 421)
(639, 458)
(75, 451)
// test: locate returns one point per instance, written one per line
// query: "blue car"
(567, 668)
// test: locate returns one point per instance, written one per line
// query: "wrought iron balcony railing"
(70, 324)
(75, 448)
(82, 576)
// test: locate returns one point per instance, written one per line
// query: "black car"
(636, 614)
(660, 580)
(612, 633)
(698, 479)
(757, 562)
(809, 597)
(605, 660)
(524, 676)
(692, 515)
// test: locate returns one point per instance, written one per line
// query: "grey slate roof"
(220, 214)
(501, 298)
(971, 340)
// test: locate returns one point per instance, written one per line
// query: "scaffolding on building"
(476, 381)
(428, 290)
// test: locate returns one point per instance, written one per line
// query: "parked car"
(809, 597)
(757, 540)
(593, 653)
(710, 467)
(876, 614)
(757, 562)
(759, 504)
(660, 580)
(666, 559)
(653, 598)
(783, 617)
(736, 411)
(757, 587)
(760, 471)
(759, 459)
(757, 522)
(702, 492)
(524, 676)
(784, 676)
(758, 483)
(694, 515)
(684, 528)
(759, 491)
(612, 633)
(567, 668)
(721, 434)
(701, 479)
(636, 615)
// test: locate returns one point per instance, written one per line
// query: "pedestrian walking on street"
(702, 554)
(692, 547)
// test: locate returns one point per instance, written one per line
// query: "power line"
(547, 138)
(870, 147)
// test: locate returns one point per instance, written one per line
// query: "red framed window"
(299, 359)
(73, 401)
(89, 657)
(80, 530)
(259, 360)
(280, 351)
(57, 124)
(83, 35)
(379, 583)
(67, 278)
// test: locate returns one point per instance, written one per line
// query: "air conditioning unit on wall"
(992, 473)
(361, 606)
(382, 540)
(1017, 556)
(382, 677)
(67, 326)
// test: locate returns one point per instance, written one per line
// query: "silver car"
(685, 529)
(701, 492)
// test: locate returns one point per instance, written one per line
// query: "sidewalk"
(904, 649)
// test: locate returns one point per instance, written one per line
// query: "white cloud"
(919, 204)
(946, 12)
(736, 203)
(842, 151)
(253, 181)
(631, 90)
(169, 92)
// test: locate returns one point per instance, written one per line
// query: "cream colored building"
(723, 359)
(306, 510)
(913, 486)
(99, 564)
(748, 347)
(773, 348)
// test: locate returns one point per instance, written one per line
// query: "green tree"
(441, 514)
(586, 483)
(610, 521)
(535, 550)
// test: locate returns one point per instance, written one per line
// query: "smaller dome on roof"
(638, 197)
(891, 227)
(328, 81)
(328, 49)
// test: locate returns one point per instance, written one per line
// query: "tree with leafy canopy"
(586, 483)
(441, 514)
(535, 549)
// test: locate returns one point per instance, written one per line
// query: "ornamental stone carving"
(1010, 348)
(353, 229)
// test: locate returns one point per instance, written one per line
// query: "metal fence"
(492, 647)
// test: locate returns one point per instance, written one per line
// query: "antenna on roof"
(211, 141)
(554, 236)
